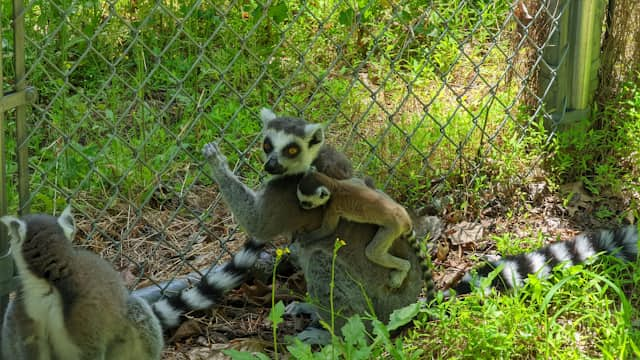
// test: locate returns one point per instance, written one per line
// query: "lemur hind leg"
(377, 251)
(241, 200)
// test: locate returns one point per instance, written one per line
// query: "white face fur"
(291, 149)
(319, 197)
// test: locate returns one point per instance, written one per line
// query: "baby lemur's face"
(290, 145)
(311, 193)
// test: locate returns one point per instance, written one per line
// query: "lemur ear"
(17, 228)
(323, 192)
(67, 223)
(315, 133)
(266, 116)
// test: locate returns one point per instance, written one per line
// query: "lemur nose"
(273, 167)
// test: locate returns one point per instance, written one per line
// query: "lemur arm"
(241, 200)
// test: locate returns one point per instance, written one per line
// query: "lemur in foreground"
(621, 243)
(353, 200)
(71, 304)
(291, 146)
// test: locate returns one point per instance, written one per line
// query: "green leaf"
(300, 350)
(279, 11)
(346, 17)
(276, 313)
(380, 330)
(353, 329)
(403, 316)
(242, 355)
(485, 283)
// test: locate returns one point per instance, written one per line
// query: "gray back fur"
(71, 303)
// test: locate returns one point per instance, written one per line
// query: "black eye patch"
(292, 150)
(267, 146)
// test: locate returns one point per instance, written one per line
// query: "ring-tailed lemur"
(292, 146)
(352, 200)
(71, 304)
(621, 243)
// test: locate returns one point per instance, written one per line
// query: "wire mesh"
(429, 98)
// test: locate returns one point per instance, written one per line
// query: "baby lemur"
(353, 200)
(71, 304)
(291, 146)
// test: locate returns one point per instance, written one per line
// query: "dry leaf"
(252, 345)
(466, 232)
(203, 353)
(442, 250)
(577, 197)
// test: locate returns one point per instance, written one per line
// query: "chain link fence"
(430, 98)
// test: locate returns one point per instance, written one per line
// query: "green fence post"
(17, 99)
(573, 56)
(5, 273)
(22, 150)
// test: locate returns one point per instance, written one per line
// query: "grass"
(418, 95)
(582, 312)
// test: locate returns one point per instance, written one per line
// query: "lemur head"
(290, 144)
(311, 192)
(34, 238)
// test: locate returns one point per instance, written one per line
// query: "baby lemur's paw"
(212, 153)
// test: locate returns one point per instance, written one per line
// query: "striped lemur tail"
(424, 257)
(211, 288)
(621, 243)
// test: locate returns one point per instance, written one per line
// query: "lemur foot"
(296, 309)
(212, 153)
(397, 278)
(314, 336)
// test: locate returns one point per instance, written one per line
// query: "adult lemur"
(71, 304)
(291, 147)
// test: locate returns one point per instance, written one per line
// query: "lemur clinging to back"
(71, 304)
(291, 147)
(352, 200)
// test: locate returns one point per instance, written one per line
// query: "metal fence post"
(17, 99)
(5, 273)
(21, 108)
(573, 55)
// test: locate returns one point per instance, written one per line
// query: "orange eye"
(292, 151)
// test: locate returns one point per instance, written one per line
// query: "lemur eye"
(266, 146)
(291, 150)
